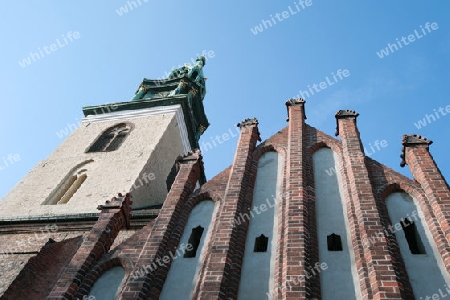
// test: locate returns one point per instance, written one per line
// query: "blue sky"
(249, 75)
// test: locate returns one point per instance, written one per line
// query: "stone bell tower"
(118, 147)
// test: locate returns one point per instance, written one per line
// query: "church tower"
(119, 147)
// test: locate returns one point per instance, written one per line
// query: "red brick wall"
(385, 182)
(114, 216)
(296, 218)
(164, 235)
(374, 262)
(426, 172)
(225, 258)
(42, 271)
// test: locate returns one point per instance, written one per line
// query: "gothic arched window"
(69, 185)
(111, 139)
(412, 237)
(194, 241)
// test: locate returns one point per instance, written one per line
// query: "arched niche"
(339, 280)
(258, 265)
(108, 286)
(426, 271)
(189, 255)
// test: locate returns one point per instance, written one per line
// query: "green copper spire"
(188, 77)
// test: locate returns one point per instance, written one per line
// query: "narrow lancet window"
(261, 243)
(68, 186)
(334, 242)
(412, 237)
(71, 188)
(194, 241)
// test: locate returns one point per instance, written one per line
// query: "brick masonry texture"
(227, 252)
(436, 190)
(366, 184)
(49, 264)
(17, 248)
(296, 238)
(11, 267)
(373, 260)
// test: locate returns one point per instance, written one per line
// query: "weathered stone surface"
(151, 147)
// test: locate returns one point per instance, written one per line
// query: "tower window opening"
(74, 185)
(194, 75)
(68, 186)
(412, 237)
(194, 242)
(334, 242)
(111, 139)
(261, 243)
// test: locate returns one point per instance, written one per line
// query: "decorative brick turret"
(374, 264)
(114, 216)
(296, 220)
(417, 156)
(226, 255)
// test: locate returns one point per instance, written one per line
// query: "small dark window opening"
(172, 175)
(111, 139)
(334, 242)
(412, 237)
(261, 243)
(194, 241)
(194, 75)
(103, 140)
(117, 141)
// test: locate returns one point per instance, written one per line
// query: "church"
(122, 210)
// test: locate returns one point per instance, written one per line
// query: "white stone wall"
(157, 139)
(427, 273)
(160, 163)
(337, 281)
(183, 273)
(258, 268)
